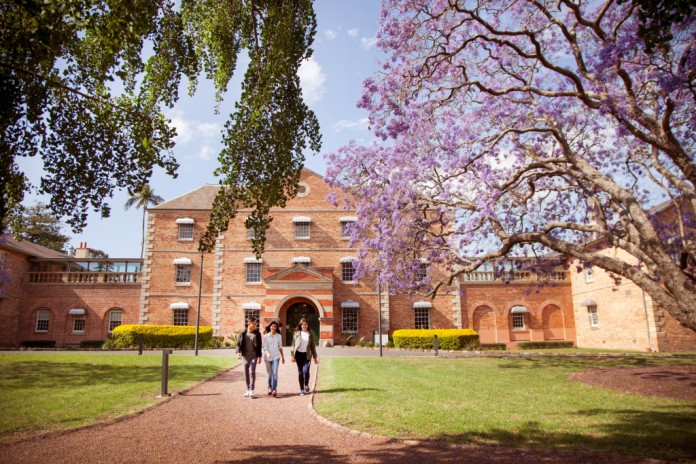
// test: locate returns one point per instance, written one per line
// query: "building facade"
(306, 271)
(49, 296)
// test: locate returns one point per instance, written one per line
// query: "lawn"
(46, 392)
(522, 402)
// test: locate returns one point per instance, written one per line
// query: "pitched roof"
(198, 199)
(8, 242)
(202, 197)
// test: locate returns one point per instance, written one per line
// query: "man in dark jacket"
(249, 351)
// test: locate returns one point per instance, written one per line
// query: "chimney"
(82, 251)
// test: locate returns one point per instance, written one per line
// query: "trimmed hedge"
(161, 336)
(39, 344)
(545, 345)
(492, 347)
(448, 339)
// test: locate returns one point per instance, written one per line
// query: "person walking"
(272, 355)
(302, 350)
(249, 351)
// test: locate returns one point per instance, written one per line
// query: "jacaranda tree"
(84, 83)
(515, 127)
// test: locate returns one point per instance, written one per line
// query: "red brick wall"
(486, 307)
(97, 299)
(15, 266)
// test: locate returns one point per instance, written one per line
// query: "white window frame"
(183, 274)
(518, 321)
(79, 320)
(185, 232)
(113, 320)
(349, 319)
(422, 272)
(594, 317)
(421, 318)
(251, 234)
(303, 230)
(253, 273)
(39, 319)
(180, 315)
(348, 272)
(252, 312)
(589, 275)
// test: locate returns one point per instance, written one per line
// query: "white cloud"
(353, 32)
(368, 42)
(330, 34)
(188, 130)
(360, 124)
(205, 153)
(312, 80)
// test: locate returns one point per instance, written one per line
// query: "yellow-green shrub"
(161, 336)
(448, 339)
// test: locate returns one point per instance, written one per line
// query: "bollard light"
(165, 373)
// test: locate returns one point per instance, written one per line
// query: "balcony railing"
(83, 277)
(513, 276)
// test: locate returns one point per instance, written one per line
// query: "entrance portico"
(301, 291)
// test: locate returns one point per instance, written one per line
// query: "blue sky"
(344, 55)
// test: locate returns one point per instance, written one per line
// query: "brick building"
(305, 271)
(47, 295)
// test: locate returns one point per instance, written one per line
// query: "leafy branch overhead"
(84, 85)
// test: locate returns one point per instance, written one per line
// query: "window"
(253, 273)
(180, 316)
(79, 324)
(251, 234)
(350, 319)
(183, 273)
(422, 318)
(594, 318)
(302, 230)
(302, 189)
(589, 275)
(517, 321)
(422, 272)
(115, 318)
(348, 271)
(3, 259)
(252, 312)
(42, 318)
(185, 231)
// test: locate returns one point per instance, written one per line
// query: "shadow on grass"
(48, 374)
(589, 362)
(668, 434)
(345, 390)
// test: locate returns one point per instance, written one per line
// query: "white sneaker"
(247, 394)
(251, 393)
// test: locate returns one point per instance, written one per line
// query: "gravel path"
(214, 423)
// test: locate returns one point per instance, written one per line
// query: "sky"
(344, 55)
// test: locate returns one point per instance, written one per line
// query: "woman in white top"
(272, 348)
(302, 351)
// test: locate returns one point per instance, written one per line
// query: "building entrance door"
(296, 312)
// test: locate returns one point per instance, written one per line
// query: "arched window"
(115, 319)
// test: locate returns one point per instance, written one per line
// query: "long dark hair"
(302, 321)
(267, 329)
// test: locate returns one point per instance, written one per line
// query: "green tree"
(37, 224)
(84, 83)
(141, 199)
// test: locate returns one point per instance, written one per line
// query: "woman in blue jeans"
(302, 351)
(272, 354)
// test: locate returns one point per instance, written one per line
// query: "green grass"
(47, 392)
(526, 402)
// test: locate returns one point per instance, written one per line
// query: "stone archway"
(294, 313)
